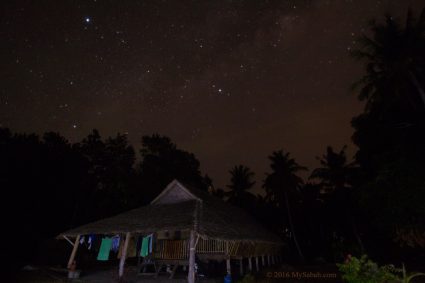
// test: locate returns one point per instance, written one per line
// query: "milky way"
(230, 81)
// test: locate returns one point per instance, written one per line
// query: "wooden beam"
(69, 241)
(228, 268)
(124, 255)
(192, 249)
(74, 251)
(250, 263)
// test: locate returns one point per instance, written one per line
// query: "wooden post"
(74, 251)
(257, 265)
(273, 261)
(124, 255)
(269, 261)
(241, 265)
(228, 269)
(250, 264)
(191, 273)
(263, 260)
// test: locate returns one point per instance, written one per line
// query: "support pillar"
(191, 273)
(263, 260)
(124, 255)
(74, 251)
(241, 266)
(228, 268)
(250, 264)
(269, 261)
(257, 265)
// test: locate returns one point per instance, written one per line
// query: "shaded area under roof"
(213, 218)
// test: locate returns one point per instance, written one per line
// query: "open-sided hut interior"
(186, 222)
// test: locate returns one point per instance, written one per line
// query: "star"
(110, 64)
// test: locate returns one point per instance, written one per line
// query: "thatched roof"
(180, 207)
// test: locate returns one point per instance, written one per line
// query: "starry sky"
(230, 81)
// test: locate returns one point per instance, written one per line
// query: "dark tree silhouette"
(335, 173)
(240, 184)
(390, 134)
(335, 180)
(41, 181)
(282, 185)
(217, 192)
(316, 223)
(162, 162)
(395, 62)
(54, 185)
(111, 173)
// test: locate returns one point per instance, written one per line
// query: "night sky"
(230, 81)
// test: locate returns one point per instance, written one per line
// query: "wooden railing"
(171, 249)
(178, 249)
(210, 246)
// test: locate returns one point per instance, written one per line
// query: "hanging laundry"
(90, 241)
(115, 243)
(82, 240)
(150, 243)
(105, 248)
(145, 247)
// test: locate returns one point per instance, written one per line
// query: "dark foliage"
(50, 185)
(240, 184)
(390, 133)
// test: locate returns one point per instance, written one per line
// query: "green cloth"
(105, 248)
(145, 247)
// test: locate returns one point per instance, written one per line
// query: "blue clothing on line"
(115, 243)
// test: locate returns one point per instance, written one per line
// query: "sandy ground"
(43, 275)
(131, 276)
(110, 275)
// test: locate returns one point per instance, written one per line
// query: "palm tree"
(240, 184)
(395, 61)
(282, 184)
(335, 173)
(335, 178)
(389, 134)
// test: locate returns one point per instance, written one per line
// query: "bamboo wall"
(178, 249)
